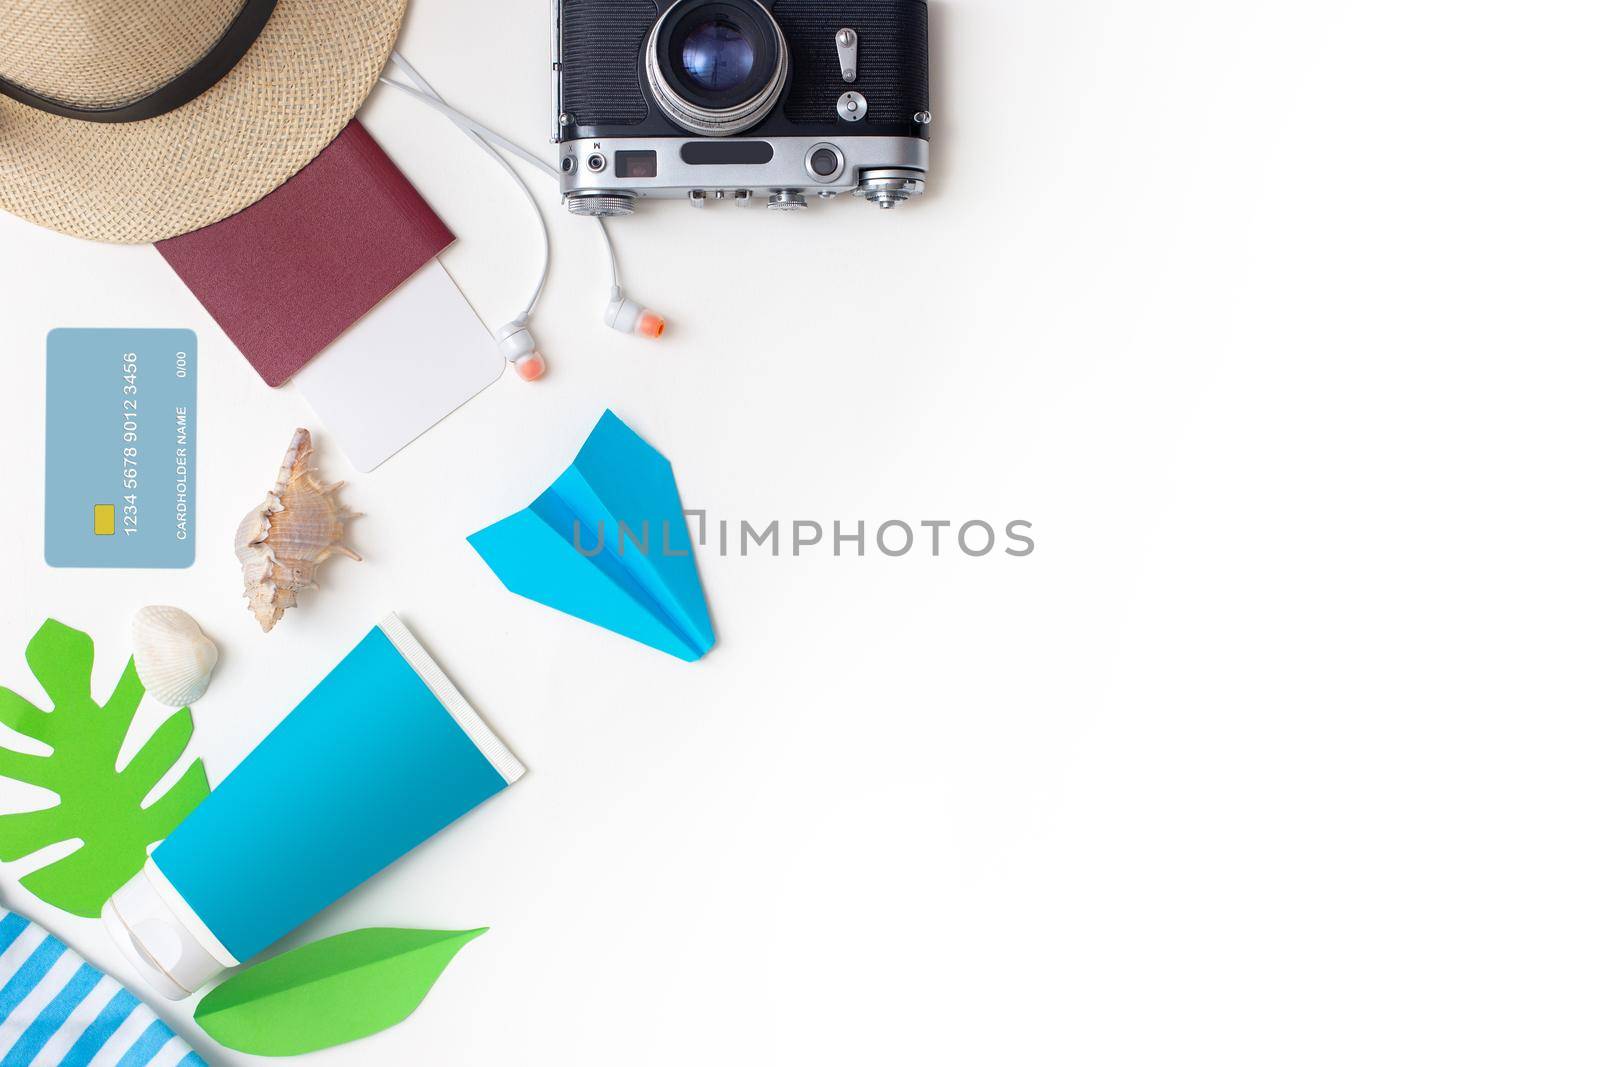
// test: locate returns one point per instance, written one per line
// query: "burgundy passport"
(289, 274)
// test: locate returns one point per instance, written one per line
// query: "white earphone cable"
(489, 140)
(428, 94)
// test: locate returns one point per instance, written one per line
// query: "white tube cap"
(153, 935)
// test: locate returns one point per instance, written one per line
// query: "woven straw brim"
(298, 86)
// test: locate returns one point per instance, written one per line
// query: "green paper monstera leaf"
(328, 992)
(99, 805)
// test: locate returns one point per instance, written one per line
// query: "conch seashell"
(282, 542)
(173, 656)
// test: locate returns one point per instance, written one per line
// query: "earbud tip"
(530, 368)
(651, 325)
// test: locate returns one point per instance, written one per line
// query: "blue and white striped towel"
(58, 1011)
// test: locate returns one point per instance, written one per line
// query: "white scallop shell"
(173, 656)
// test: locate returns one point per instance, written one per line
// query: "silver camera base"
(886, 171)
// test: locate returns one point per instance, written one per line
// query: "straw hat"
(135, 120)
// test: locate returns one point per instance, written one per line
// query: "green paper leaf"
(328, 992)
(97, 804)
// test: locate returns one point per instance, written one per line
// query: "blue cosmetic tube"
(383, 753)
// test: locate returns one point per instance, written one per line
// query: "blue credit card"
(119, 448)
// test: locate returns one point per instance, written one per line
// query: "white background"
(1276, 319)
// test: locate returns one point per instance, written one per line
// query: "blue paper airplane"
(607, 543)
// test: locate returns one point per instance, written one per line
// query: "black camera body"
(739, 99)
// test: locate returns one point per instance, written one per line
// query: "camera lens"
(716, 67)
(717, 55)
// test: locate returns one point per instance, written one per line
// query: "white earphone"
(515, 339)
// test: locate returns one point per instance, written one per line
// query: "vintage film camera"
(778, 100)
